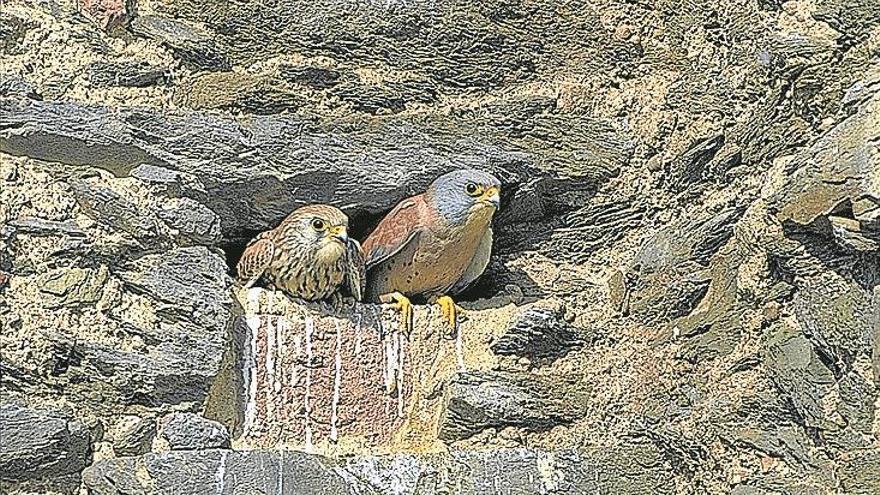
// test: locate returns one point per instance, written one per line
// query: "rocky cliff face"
(684, 295)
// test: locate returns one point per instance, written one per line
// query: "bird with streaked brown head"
(434, 244)
(308, 256)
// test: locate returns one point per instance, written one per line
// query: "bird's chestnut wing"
(395, 231)
(255, 259)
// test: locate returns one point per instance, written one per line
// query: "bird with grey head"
(433, 245)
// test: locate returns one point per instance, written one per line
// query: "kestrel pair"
(432, 245)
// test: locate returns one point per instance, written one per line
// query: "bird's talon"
(450, 312)
(401, 303)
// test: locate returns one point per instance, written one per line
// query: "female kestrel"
(309, 255)
(434, 244)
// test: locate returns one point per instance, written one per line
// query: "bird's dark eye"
(318, 224)
(472, 189)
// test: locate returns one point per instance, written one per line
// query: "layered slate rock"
(190, 431)
(176, 344)
(669, 275)
(539, 334)
(193, 45)
(478, 400)
(40, 446)
(132, 74)
(253, 172)
(834, 188)
(638, 469)
(132, 435)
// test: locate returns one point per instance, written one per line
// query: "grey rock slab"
(837, 171)
(671, 272)
(192, 281)
(183, 348)
(126, 74)
(688, 239)
(16, 86)
(116, 211)
(538, 334)
(479, 400)
(193, 45)
(40, 227)
(40, 444)
(254, 171)
(190, 431)
(316, 77)
(133, 436)
(191, 221)
(799, 374)
(631, 470)
(859, 472)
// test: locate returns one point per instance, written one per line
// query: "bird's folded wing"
(355, 270)
(257, 256)
(395, 231)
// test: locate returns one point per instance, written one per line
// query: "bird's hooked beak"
(339, 234)
(491, 197)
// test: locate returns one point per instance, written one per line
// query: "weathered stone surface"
(860, 472)
(14, 86)
(38, 226)
(690, 167)
(669, 276)
(800, 374)
(41, 445)
(12, 32)
(234, 91)
(176, 354)
(875, 336)
(193, 45)
(133, 74)
(538, 334)
(133, 435)
(189, 431)
(116, 211)
(480, 400)
(837, 172)
(254, 172)
(715, 165)
(191, 222)
(192, 281)
(74, 286)
(519, 471)
(316, 77)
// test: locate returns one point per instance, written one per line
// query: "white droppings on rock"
(551, 478)
(269, 358)
(337, 385)
(279, 376)
(310, 328)
(220, 475)
(401, 351)
(250, 372)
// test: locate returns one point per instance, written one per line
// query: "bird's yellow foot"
(402, 304)
(450, 312)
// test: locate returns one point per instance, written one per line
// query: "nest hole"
(490, 284)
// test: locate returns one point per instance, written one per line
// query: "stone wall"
(684, 293)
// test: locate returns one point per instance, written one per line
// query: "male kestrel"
(434, 244)
(309, 255)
